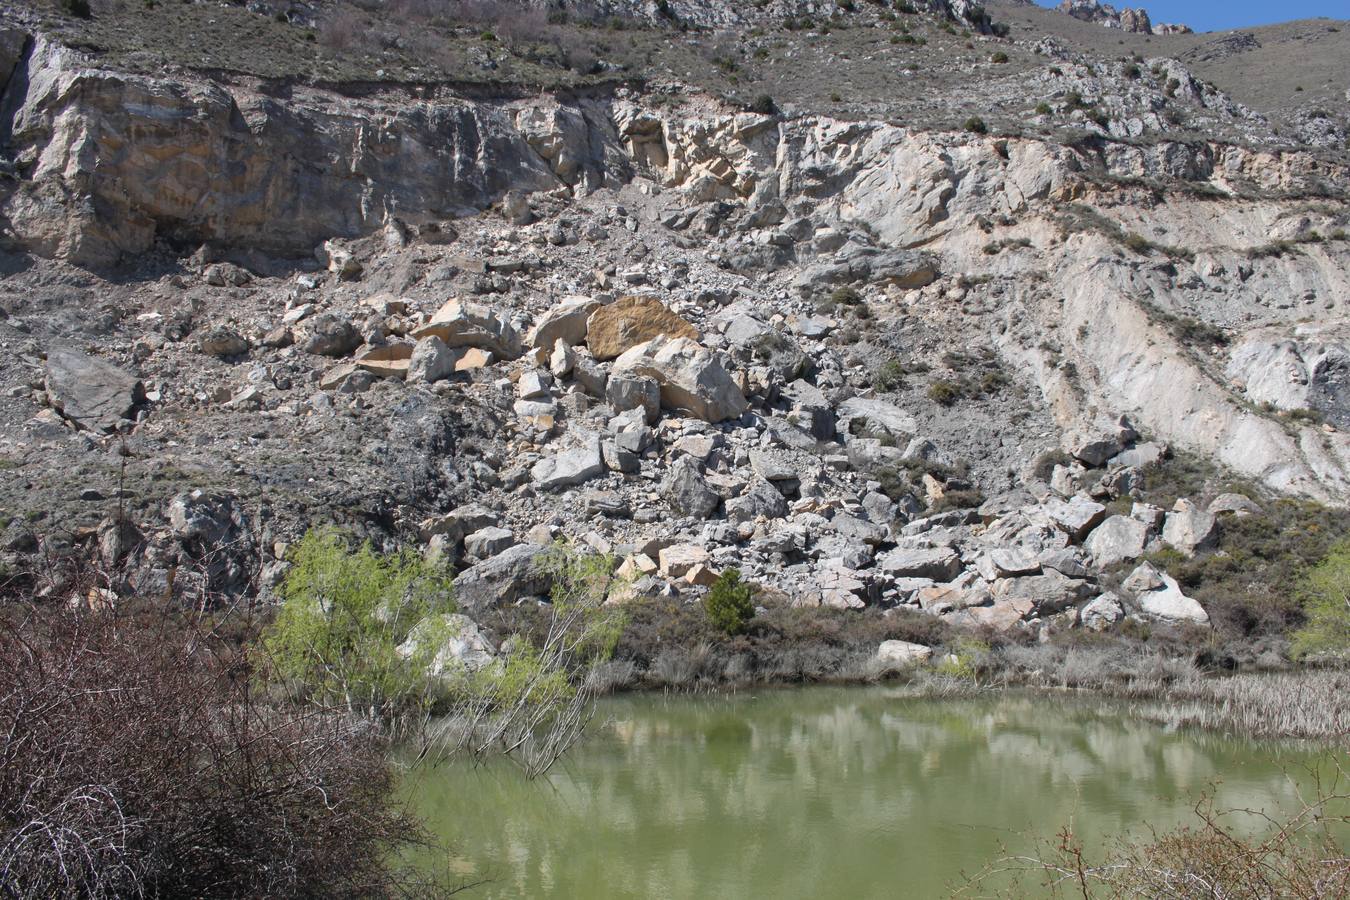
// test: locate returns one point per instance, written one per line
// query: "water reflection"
(826, 792)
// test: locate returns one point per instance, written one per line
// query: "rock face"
(813, 400)
(692, 378)
(1295, 375)
(513, 575)
(90, 392)
(205, 158)
(1135, 20)
(629, 321)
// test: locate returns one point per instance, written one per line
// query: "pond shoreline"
(1308, 704)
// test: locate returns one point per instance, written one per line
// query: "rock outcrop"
(692, 378)
(89, 391)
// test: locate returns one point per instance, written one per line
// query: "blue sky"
(1219, 15)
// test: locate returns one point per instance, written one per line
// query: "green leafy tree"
(345, 617)
(1325, 595)
(730, 602)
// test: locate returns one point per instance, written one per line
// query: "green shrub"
(1044, 466)
(844, 296)
(999, 58)
(1043, 109)
(1137, 242)
(77, 8)
(1325, 597)
(889, 376)
(976, 125)
(730, 603)
(763, 104)
(965, 659)
(343, 617)
(993, 381)
(944, 392)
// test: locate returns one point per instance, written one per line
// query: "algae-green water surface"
(828, 792)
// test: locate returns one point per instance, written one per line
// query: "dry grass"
(1310, 704)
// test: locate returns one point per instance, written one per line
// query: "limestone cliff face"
(108, 160)
(111, 160)
(104, 163)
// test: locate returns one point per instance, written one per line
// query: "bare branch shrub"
(1298, 856)
(136, 760)
(536, 702)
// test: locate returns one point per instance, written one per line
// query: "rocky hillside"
(928, 346)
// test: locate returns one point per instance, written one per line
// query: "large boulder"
(457, 524)
(462, 324)
(687, 491)
(570, 467)
(614, 329)
(1096, 444)
(677, 560)
(692, 377)
(222, 342)
(1189, 528)
(1118, 539)
(1007, 562)
(1076, 516)
(515, 574)
(760, 500)
(431, 360)
(1237, 505)
(625, 392)
(566, 322)
(329, 335)
(1160, 597)
(387, 361)
(939, 563)
(868, 417)
(1048, 593)
(1102, 612)
(93, 394)
(903, 653)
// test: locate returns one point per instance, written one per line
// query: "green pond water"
(828, 792)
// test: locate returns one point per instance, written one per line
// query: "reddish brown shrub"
(135, 760)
